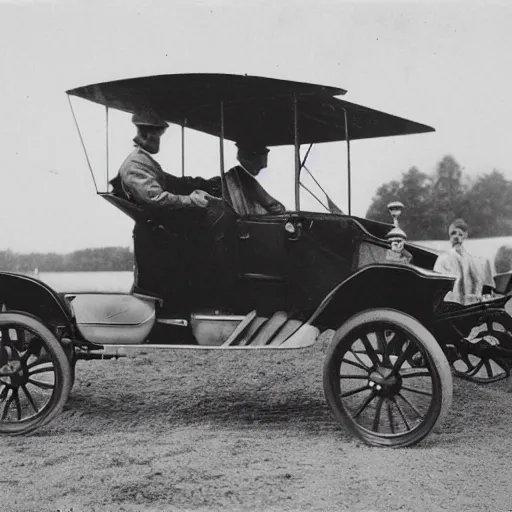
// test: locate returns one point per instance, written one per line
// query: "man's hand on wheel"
(201, 198)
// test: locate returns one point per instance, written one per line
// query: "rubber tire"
(63, 378)
(437, 359)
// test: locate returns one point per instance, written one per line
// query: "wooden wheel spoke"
(467, 361)
(402, 381)
(472, 368)
(42, 370)
(410, 405)
(37, 362)
(5, 409)
(488, 368)
(18, 403)
(356, 365)
(29, 352)
(384, 347)
(409, 351)
(415, 374)
(402, 415)
(29, 398)
(354, 391)
(37, 389)
(364, 404)
(370, 350)
(418, 391)
(361, 362)
(389, 407)
(475, 368)
(43, 385)
(376, 418)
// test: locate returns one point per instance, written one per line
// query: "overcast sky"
(445, 64)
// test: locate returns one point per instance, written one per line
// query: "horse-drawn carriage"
(289, 277)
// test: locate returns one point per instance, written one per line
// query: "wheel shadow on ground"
(476, 411)
(222, 409)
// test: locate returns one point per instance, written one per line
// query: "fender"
(26, 294)
(408, 288)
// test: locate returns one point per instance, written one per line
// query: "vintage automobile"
(280, 279)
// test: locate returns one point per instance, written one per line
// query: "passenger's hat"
(149, 118)
(252, 146)
(396, 233)
(458, 224)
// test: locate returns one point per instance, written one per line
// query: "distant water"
(122, 281)
(88, 281)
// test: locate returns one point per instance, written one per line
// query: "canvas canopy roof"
(253, 107)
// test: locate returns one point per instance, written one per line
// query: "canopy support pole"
(183, 147)
(349, 174)
(83, 144)
(106, 141)
(297, 152)
(221, 142)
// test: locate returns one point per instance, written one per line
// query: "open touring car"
(270, 281)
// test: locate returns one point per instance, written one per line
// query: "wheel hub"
(384, 382)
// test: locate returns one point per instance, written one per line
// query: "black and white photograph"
(255, 255)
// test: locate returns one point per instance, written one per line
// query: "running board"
(304, 336)
(252, 331)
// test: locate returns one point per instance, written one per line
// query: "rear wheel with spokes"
(481, 365)
(35, 374)
(387, 379)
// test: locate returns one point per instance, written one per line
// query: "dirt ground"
(201, 430)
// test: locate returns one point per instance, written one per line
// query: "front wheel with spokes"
(35, 374)
(386, 378)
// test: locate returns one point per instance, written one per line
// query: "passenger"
(397, 253)
(247, 196)
(166, 262)
(471, 274)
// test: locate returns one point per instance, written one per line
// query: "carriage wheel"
(35, 374)
(493, 332)
(387, 379)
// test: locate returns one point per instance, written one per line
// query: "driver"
(143, 179)
(247, 196)
(166, 261)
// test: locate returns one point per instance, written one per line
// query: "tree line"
(433, 200)
(105, 258)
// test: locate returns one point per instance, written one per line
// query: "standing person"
(470, 274)
(164, 260)
(247, 196)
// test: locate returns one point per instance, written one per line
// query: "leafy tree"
(433, 201)
(106, 258)
(416, 192)
(488, 205)
(447, 198)
(413, 190)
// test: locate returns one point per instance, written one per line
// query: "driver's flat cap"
(252, 146)
(147, 118)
